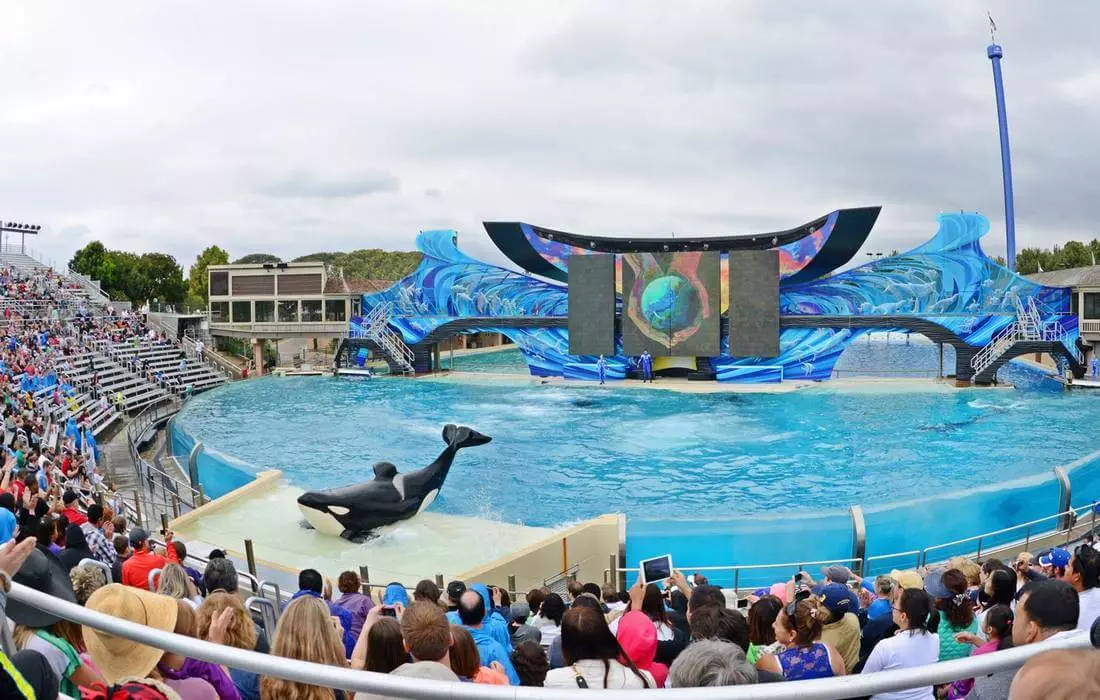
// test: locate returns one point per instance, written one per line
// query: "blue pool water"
(686, 469)
(878, 354)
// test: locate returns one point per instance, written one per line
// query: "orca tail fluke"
(460, 436)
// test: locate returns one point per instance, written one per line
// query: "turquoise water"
(870, 356)
(509, 361)
(714, 478)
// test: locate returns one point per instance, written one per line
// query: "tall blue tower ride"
(995, 53)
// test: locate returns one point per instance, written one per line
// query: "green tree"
(257, 259)
(163, 278)
(368, 263)
(89, 259)
(197, 280)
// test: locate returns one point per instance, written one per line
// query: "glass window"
(1074, 302)
(288, 312)
(357, 306)
(335, 310)
(242, 312)
(1092, 305)
(311, 310)
(219, 311)
(265, 311)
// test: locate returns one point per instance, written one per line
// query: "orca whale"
(354, 511)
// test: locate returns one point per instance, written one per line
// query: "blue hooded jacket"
(494, 622)
(487, 637)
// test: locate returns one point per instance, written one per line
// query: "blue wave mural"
(948, 280)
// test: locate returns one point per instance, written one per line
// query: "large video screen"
(754, 303)
(592, 305)
(671, 304)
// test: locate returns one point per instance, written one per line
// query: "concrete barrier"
(588, 547)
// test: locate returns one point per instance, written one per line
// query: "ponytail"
(920, 608)
(1000, 618)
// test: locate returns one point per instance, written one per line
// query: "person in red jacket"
(135, 570)
(75, 517)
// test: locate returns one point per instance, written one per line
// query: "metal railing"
(211, 358)
(1071, 521)
(276, 329)
(1000, 344)
(175, 496)
(376, 327)
(385, 684)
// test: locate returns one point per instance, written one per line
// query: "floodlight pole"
(995, 53)
(22, 229)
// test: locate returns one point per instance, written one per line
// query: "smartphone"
(388, 611)
(798, 577)
(742, 602)
(656, 569)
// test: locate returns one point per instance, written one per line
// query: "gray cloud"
(304, 184)
(280, 127)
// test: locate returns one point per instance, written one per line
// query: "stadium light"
(22, 229)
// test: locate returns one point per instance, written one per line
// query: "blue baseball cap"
(1058, 558)
(395, 593)
(836, 598)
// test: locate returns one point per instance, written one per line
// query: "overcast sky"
(292, 127)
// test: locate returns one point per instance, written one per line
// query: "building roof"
(336, 285)
(1070, 277)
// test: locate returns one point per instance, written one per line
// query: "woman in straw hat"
(121, 659)
(305, 632)
(58, 640)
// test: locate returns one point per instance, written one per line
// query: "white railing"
(385, 684)
(376, 327)
(1000, 344)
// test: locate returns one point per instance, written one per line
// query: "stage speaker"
(754, 303)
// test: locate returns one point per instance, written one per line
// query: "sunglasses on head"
(792, 606)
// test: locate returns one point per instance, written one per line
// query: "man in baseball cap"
(1055, 561)
(455, 589)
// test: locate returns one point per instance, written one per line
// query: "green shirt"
(949, 648)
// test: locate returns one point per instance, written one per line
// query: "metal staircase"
(376, 329)
(1028, 327)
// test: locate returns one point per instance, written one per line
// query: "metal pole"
(1027, 539)
(613, 563)
(202, 496)
(364, 580)
(979, 555)
(250, 557)
(995, 53)
(137, 508)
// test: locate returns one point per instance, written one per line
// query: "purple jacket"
(358, 605)
(211, 673)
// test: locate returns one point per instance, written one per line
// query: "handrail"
(385, 684)
(975, 538)
(920, 554)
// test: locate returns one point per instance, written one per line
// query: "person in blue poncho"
(601, 369)
(473, 616)
(494, 619)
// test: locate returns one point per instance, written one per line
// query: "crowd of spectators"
(676, 634)
(61, 529)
